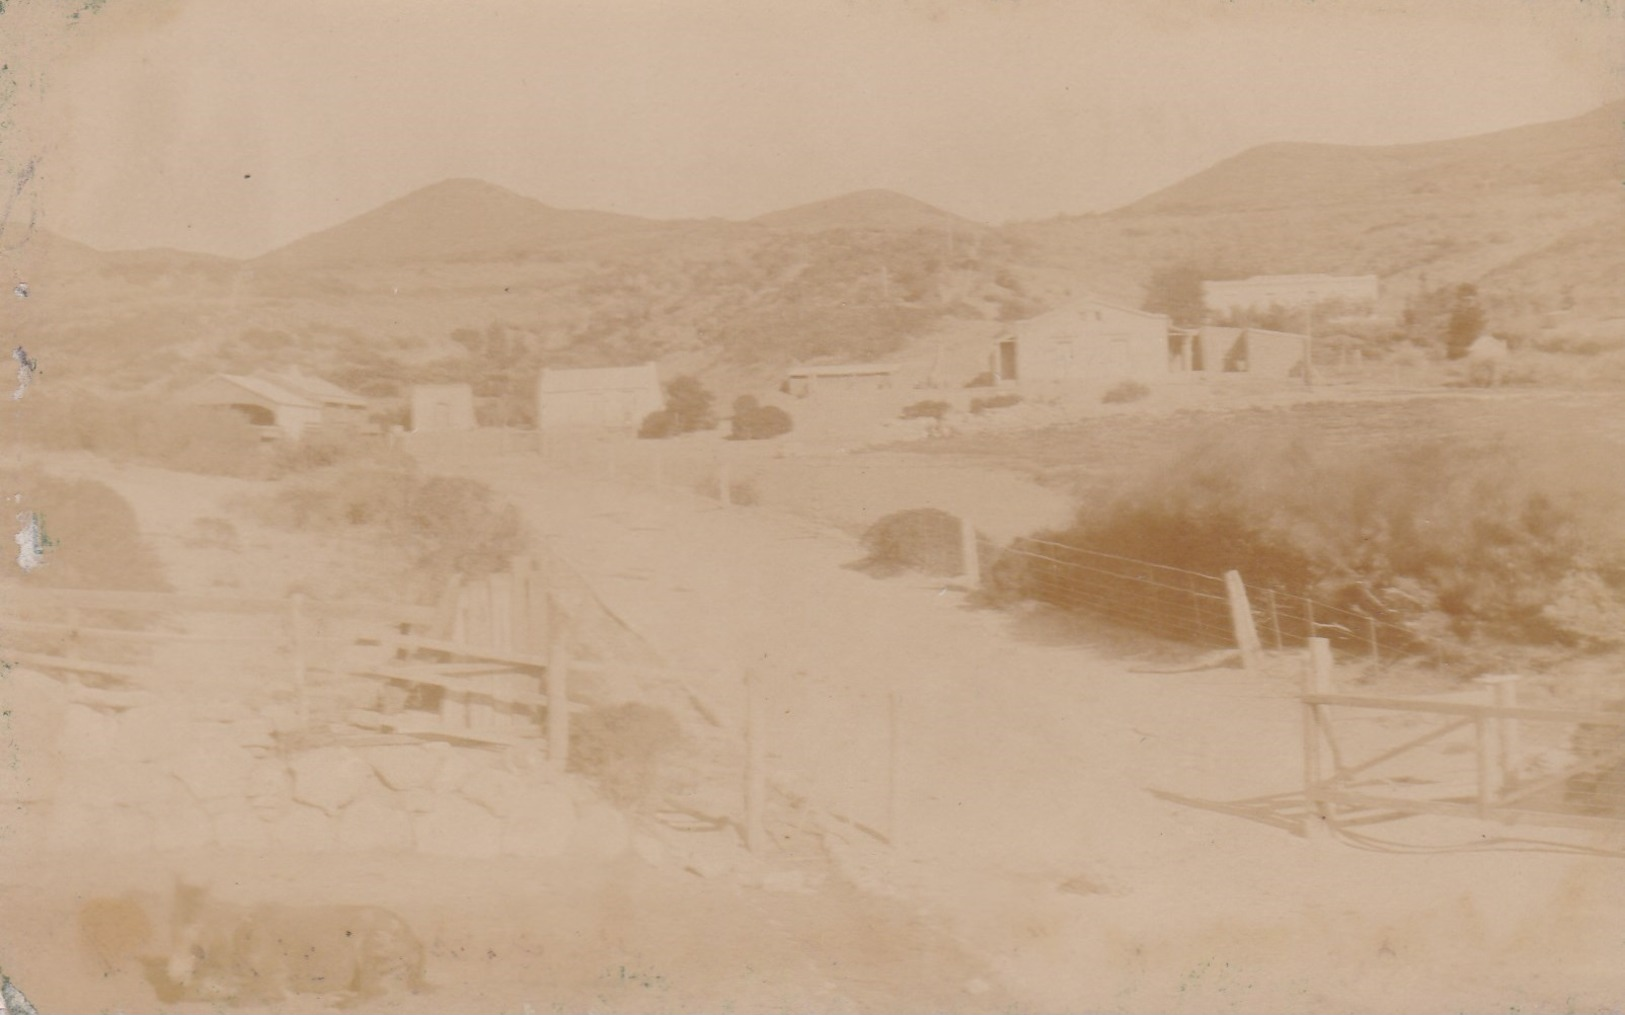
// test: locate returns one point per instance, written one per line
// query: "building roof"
(555, 382)
(1278, 279)
(845, 370)
(317, 390)
(270, 390)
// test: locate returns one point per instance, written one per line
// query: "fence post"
(1309, 619)
(1486, 770)
(1504, 686)
(1275, 619)
(892, 749)
(755, 761)
(1317, 680)
(296, 629)
(1241, 620)
(558, 687)
(1371, 635)
(969, 553)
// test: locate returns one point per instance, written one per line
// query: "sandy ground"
(1028, 747)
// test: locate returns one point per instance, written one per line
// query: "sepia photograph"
(875, 506)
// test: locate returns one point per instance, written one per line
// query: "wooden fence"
(1367, 756)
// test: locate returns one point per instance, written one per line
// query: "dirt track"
(1028, 750)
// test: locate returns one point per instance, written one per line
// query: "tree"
(759, 422)
(690, 403)
(1466, 321)
(1177, 291)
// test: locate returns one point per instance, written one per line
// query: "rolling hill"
(1511, 211)
(465, 280)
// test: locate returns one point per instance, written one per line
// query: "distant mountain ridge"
(865, 209)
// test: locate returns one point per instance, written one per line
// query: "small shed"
(1256, 351)
(1088, 341)
(602, 397)
(442, 408)
(839, 378)
(291, 405)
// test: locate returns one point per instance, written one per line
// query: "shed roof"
(270, 390)
(845, 370)
(317, 389)
(599, 379)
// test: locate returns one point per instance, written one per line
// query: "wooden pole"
(969, 556)
(1486, 768)
(1241, 620)
(1309, 619)
(1504, 686)
(755, 761)
(1371, 636)
(296, 630)
(558, 687)
(1275, 620)
(892, 747)
(1317, 680)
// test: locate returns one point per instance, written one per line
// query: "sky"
(233, 127)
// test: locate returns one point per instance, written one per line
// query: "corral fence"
(1188, 606)
(1474, 754)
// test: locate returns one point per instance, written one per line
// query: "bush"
(180, 437)
(920, 539)
(981, 405)
(446, 526)
(1125, 391)
(760, 423)
(689, 401)
(1441, 537)
(88, 533)
(620, 747)
(981, 380)
(659, 425)
(929, 409)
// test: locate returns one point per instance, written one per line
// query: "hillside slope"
(1510, 210)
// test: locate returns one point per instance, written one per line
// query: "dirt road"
(1027, 751)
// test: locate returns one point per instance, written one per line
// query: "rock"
(494, 789)
(601, 832)
(179, 825)
(215, 766)
(87, 734)
(371, 824)
(152, 732)
(329, 778)
(239, 827)
(404, 766)
(540, 823)
(455, 827)
(459, 764)
(304, 829)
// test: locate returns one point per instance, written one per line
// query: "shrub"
(1438, 536)
(1125, 391)
(981, 405)
(88, 533)
(181, 437)
(981, 380)
(760, 423)
(929, 409)
(444, 525)
(621, 746)
(659, 425)
(921, 539)
(689, 401)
